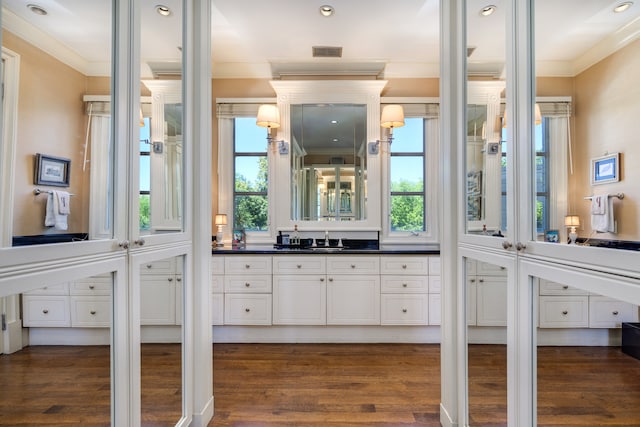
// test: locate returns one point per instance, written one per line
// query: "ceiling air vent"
(327, 52)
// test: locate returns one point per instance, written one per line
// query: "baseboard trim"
(202, 418)
(445, 419)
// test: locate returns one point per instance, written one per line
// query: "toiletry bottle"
(295, 239)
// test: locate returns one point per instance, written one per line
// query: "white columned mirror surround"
(366, 92)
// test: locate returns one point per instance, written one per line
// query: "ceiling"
(266, 39)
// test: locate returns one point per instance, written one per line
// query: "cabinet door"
(157, 300)
(299, 300)
(353, 300)
(491, 301)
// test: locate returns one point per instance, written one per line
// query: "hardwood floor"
(319, 385)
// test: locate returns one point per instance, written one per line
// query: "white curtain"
(100, 212)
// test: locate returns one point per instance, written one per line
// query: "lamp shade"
(537, 120)
(572, 221)
(268, 116)
(392, 116)
(220, 219)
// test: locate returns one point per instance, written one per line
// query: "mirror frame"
(366, 92)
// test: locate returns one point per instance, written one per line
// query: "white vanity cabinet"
(160, 293)
(217, 290)
(353, 290)
(247, 290)
(404, 290)
(486, 294)
(299, 290)
(47, 307)
(562, 306)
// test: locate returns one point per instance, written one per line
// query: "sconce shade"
(392, 116)
(268, 116)
(220, 219)
(572, 221)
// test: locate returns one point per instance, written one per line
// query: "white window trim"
(225, 170)
(432, 171)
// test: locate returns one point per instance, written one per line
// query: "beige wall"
(50, 121)
(607, 112)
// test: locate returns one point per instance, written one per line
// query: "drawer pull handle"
(404, 266)
(93, 312)
(299, 265)
(247, 284)
(247, 310)
(91, 287)
(404, 310)
(247, 266)
(565, 287)
(45, 311)
(615, 313)
(404, 285)
(565, 312)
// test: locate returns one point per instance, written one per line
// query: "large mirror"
(328, 162)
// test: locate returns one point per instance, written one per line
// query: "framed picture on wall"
(50, 170)
(605, 169)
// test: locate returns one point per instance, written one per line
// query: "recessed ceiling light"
(334, 122)
(38, 10)
(163, 10)
(623, 6)
(335, 139)
(488, 10)
(326, 10)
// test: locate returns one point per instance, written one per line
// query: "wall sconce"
(392, 117)
(220, 221)
(572, 221)
(269, 117)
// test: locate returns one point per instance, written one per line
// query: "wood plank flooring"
(320, 385)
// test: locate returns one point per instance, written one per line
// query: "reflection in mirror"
(476, 138)
(161, 160)
(486, 289)
(161, 291)
(588, 97)
(328, 162)
(45, 84)
(55, 354)
(588, 372)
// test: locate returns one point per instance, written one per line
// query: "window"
(407, 177)
(145, 174)
(250, 182)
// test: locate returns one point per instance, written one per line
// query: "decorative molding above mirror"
(328, 92)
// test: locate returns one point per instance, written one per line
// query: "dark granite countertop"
(323, 251)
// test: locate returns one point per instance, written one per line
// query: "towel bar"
(619, 196)
(38, 191)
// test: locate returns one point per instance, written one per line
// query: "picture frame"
(51, 170)
(605, 169)
(552, 236)
(239, 238)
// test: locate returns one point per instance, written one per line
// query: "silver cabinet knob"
(481, 280)
(615, 313)
(520, 246)
(299, 266)
(170, 279)
(404, 310)
(331, 279)
(506, 244)
(353, 266)
(404, 266)
(45, 311)
(91, 287)
(247, 284)
(247, 310)
(178, 279)
(322, 279)
(565, 312)
(93, 312)
(404, 285)
(139, 242)
(124, 244)
(565, 287)
(247, 266)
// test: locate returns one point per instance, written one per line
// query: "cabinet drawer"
(248, 283)
(553, 288)
(610, 313)
(434, 266)
(404, 284)
(217, 264)
(434, 284)
(217, 284)
(90, 312)
(46, 311)
(312, 264)
(344, 264)
(486, 269)
(247, 309)
(92, 286)
(564, 312)
(217, 309)
(404, 265)
(402, 309)
(247, 265)
(59, 289)
(162, 266)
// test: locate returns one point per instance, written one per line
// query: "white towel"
(63, 202)
(602, 218)
(53, 217)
